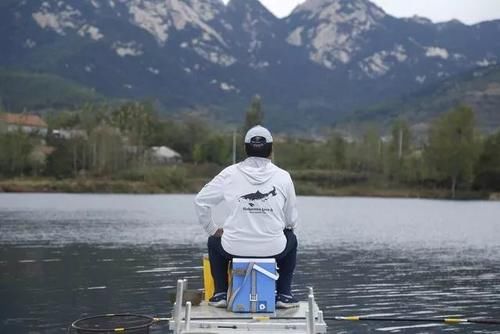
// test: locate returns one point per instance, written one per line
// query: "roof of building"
(23, 120)
(164, 151)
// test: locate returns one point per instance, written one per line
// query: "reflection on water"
(63, 257)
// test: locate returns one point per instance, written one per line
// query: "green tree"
(216, 149)
(332, 154)
(487, 170)
(64, 120)
(60, 163)
(3, 126)
(339, 151)
(254, 115)
(136, 122)
(366, 155)
(413, 169)
(91, 117)
(192, 132)
(37, 160)
(15, 148)
(107, 153)
(451, 150)
(295, 154)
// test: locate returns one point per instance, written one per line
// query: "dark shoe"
(218, 300)
(286, 301)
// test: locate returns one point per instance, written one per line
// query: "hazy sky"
(467, 11)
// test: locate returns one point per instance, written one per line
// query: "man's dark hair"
(258, 147)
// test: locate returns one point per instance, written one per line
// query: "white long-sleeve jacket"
(262, 203)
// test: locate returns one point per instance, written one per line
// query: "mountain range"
(478, 89)
(314, 67)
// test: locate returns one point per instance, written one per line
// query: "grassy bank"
(150, 180)
(76, 186)
(193, 185)
(190, 178)
(370, 190)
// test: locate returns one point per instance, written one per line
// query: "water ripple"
(66, 256)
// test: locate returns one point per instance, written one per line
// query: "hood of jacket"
(257, 170)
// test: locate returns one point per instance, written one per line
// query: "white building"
(163, 155)
(24, 122)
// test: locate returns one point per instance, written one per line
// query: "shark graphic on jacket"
(252, 197)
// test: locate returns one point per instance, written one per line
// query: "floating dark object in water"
(195, 296)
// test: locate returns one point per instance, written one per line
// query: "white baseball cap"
(258, 131)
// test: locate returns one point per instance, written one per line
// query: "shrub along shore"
(113, 150)
(191, 185)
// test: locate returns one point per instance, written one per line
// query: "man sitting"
(263, 214)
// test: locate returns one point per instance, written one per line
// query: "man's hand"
(219, 233)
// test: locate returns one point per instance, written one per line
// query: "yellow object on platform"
(208, 281)
(454, 321)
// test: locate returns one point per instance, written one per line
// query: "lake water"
(63, 257)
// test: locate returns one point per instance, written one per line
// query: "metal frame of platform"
(205, 319)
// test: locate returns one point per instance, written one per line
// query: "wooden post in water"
(187, 317)
(178, 306)
(310, 313)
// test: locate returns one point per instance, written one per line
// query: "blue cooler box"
(253, 287)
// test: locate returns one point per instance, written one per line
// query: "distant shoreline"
(105, 186)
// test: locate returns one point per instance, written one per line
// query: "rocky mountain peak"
(333, 28)
(207, 9)
(250, 12)
(159, 17)
(345, 53)
(248, 5)
(254, 28)
(341, 10)
(419, 20)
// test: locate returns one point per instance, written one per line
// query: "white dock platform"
(211, 320)
(208, 319)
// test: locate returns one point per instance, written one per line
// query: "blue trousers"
(286, 260)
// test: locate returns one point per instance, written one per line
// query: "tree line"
(113, 142)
